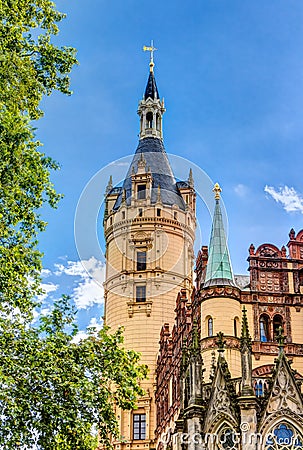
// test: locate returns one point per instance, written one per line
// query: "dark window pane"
(140, 293)
(141, 260)
(141, 191)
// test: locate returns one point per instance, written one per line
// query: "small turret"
(151, 108)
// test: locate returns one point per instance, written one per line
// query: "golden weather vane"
(150, 49)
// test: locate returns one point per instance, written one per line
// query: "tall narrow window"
(141, 293)
(141, 260)
(264, 328)
(140, 212)
(139, 426)
(141, 192)
(149, 120)
(277, 324)
(123, 215)
(235, 327)
(210, 328)
(259, 389)
(158, 212)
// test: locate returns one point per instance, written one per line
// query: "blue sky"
(231, 74)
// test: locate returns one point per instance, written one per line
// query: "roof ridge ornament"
(150, 49)
(217, 190)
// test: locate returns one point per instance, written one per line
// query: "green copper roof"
(218, 270)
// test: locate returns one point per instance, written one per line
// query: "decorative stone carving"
(284, 393)
(220, 291)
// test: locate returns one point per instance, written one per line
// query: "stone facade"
(149, 227)
(249, 391)
(228, 372)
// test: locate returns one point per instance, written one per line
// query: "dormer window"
(141, 192)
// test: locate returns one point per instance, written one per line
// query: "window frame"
(140, 419)
(141, 191)
(141, 261)
(140, 297)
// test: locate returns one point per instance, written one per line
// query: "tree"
(31, 66)
(54, 391)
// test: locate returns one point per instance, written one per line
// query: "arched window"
(158, 122)
(149, 120)
(259, 388)
(284, 437)
(210, 327)
(277, 323)
(236, 326)
(228, 439)
(264, 328)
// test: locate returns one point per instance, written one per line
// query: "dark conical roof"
(153, 152)
(151, 87)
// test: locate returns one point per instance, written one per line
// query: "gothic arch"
(221, 420)
(282, 431)
(224, 435)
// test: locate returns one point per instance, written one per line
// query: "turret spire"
(151, 109)
(218, 270)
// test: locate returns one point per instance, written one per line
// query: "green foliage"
(30, 66)
(54, 391)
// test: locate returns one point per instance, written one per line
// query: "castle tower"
(220, 298)
(149, 227)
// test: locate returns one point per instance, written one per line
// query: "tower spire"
(151, 108)
(218, 270)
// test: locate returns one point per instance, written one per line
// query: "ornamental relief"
(210, 342)
(224, 291)
(284, 394)
(269, 281)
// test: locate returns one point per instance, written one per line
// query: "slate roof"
(151, 87)
(153, 151)
(218, 269)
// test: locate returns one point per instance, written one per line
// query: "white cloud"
(45, 273)
(89, 290)
(94, 323)
(287, 196)
(241, 190)
(47, 289)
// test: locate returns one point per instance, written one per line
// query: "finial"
(217, 190)
(123, 195)
(245, 337)
(184, 354)
(195, 336)
(109, 185)
(150, 49)
(281, 339)
(220, 342)
(142, 162)
(251, 249)
(212, 365)
(191, 179)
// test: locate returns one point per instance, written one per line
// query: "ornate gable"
(285, 397)
(221, 404)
